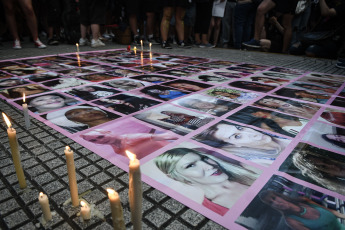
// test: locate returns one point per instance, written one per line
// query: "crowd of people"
(310, 27)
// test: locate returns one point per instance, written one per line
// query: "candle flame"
(130, 155)
(68, 148)
(82, 203)
(141, 42)
(150, 44)
(77, 44)
(41, 194)
(24, 97)
(111, 191)
(7, 120)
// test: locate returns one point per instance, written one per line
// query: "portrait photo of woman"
(92, 92)
(163, 93)
(22, 70)
(17, 92)
(126, 84)
(318, 166)
(63, 83)
(233, 95)
(205, 104)
(210, 179)
(187, 85)
(248, 143)
(153, 78)
(11, 82)
(312, 87)
(211, 78)
(333, 116)
(268, 80)
(322, 81)
(270, 120)
(254, 86)
(304, 95)
(98, 77)
(43, 77)
(284, 205)
(288, 106)
(77, 118)
(48, 102)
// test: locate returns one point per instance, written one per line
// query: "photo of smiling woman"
(217, 182)
(250, 144)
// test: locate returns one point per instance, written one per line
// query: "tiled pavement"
(44, 161)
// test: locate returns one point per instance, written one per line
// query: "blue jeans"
(243, 23)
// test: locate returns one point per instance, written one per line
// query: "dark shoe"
(340, 60)
(208, 45)
(252, 43)
(184, 45)
(166, 45)
(340, 65)
(53, 42)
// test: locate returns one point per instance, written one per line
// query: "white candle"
(135, 191)
(72, 177)
(77, 48)
(26, 113)
(150, 46)
(116, 209)
(12, 138)
(142, 58)
(85, 210)
(135, 50)
(141, 43)
(44, 202)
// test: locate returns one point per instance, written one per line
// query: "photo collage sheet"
(248, 146)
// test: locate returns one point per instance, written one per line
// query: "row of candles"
(135, 186)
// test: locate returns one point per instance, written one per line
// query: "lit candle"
(142, 58)
(150, 46)
(12, 137)
(77, 47)
(44, 202)
(135, 191)
(26, 113)
(78, 60)
(116, 209)
(141, 43)
(135, 50)
(85, 210)
(72, 177)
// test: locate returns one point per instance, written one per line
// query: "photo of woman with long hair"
(218, 182)
(250, 144)
(270, 120)
(304, 95)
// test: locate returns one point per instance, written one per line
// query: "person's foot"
(252, 43)
(341, 63)
(16, 45)
(166, 45)
(83, 42)
(208, 45)
(53, 42)
(340, 60)
(182, 44)
(96, 43)
(39, 44)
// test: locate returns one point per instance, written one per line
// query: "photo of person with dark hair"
(17, 92)
(283, 204)
(98, 77)
(48, 102)
(163, 93)
(77, 118)
(10, 82)
(126, 103)
(124, 72)
(63, 83)
(326, 76)
(286, 70)
(318, 166)
(254, 86)
(126, 84)
(253, 66)
(339, 101)
(333, 116)
(178, 72)
(213, 181)
(326, 136)
(92, 92)
(211, 78)
(43, 77)
(250, 144)
(218, 64)
(76, 72)
(187, 85)
(268, 80)
(234, 95)
(22, 70)
(279, 75)
(270, 120)
(323, 81)
(288, 106)
(208, 105)
(312, 87)
(153, 78)
(303, 95)
(230, 74)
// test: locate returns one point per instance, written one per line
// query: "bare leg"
(95, 29)
(26, 5)
(218, 22)
(167, 14)
(287, 24)
(263, 8)
(179, 16)
(150, 23)
(10, 18)
(83, 30)
(211, 27)
(133, 24)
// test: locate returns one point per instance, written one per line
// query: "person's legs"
(263, 8)
(165, 23)
(179, 16)
(150, 23)
(31, 21)
(227, 23)
(10, 18)
(216, 31)
(210, 28)
(287, 24)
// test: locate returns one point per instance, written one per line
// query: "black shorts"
(92, 11)
(173, 3)
(142, 6)
(285, 6)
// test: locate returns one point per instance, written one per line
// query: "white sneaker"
(16, 45)
(96, 43)
(83, 42)
(39, 44)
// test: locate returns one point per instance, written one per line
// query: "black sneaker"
(53, 42)
(184, 45)
(166, 45)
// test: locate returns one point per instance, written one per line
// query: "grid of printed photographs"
(248, 146)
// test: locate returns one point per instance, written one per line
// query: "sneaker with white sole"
(39, 44)
(96, 43)
(16, 45)
(83, 42)
(252, 44)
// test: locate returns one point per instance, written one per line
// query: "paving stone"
(54, 163)
(192, 217)
(173, 205)
(46, 156)
(39, 150)
(4, 194)
(44, 178)
(34, 171)
(157, 217)
(104, 163)
(29, 195)
(156, 195)
(53, 187)
(48, 139)
(5, 161)
(100, 178)
(32, 144)
(89, 170)
(94, 196)
(8, 206)
(115, 170)
(62, 196)
(29, 163)
(176, 225)
(80, 163)
(210, 225)
(15, 219)
(28, 226)
(8, 170)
